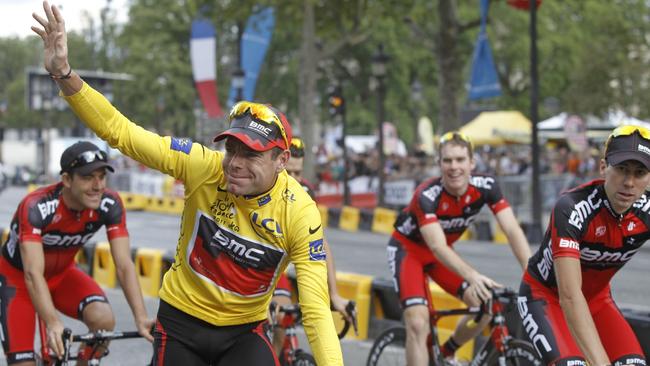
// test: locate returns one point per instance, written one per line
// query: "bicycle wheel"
(304, 359)
(388, 349)
(519, 353)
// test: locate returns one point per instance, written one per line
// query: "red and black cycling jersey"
(432, 203)
(584, 226)
(42, 216)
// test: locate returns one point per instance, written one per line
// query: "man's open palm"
(54, 39)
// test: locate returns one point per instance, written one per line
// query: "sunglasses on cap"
(628, 130)
(260, 113)
(297, 148)
(87, 157)
(449, 136)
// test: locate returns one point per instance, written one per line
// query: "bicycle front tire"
(388, 349)
(519, 353)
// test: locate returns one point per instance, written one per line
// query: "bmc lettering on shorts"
(630, 360)
(568, 243)
(231, 262)
(414, 301)
(181, 144)
(532, 328)
(583, 209)
(89, 300)
(21, 356)
(571, 361)
(316, 250)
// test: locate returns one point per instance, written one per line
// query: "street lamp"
(238, 81)
(416, 97)
(379, 61)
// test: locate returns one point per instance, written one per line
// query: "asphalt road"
(361, 252)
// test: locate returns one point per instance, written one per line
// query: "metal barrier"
(517, 189)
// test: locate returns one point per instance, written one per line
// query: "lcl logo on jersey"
(266, 225)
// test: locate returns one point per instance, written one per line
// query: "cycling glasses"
(260, 126)
(297, 148)
(628, 143)
(88, 157)
(628, 130)
(455, 135)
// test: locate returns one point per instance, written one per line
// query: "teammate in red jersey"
(440, 211)
(566, 302)
(282, 292)
(38, 274)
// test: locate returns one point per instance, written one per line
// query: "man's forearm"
(132, 292)
(519, 246)
(331, 270)
(41, 299)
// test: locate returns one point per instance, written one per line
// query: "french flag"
(203, 55)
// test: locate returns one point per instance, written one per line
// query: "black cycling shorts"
(181, 339)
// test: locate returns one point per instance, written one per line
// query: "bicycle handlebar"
(294, 310)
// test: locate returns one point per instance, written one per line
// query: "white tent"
(597, 128)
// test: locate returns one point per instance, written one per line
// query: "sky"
(17, 14)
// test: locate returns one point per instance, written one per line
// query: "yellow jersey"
(231, 249)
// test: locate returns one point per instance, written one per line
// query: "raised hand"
(55, 42)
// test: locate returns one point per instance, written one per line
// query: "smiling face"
(84, 191)
(249, 172)
(456, 165)
(624, 183)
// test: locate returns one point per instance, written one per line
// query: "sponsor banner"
(399, 192)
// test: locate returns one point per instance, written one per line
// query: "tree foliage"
(593, 57)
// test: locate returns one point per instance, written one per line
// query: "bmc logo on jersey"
(456, 222)
(482, 182)
(583, 209)
(432, 193)
(47, 208)
(65, 240)
(568, 243)
(606, 257)
(230, 261)
(106, 204)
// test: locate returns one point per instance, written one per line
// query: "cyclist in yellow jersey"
(244, 220)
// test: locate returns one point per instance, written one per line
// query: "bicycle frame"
(499, 334)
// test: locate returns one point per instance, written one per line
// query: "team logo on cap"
(643, 149)
(266, 131)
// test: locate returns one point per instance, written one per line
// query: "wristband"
(61, 77)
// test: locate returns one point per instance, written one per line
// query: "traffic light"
(335, 101)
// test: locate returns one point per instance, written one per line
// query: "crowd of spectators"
(556, 159)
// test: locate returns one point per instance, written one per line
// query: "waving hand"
(55, 40)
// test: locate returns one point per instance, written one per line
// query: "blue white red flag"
(203, 56)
